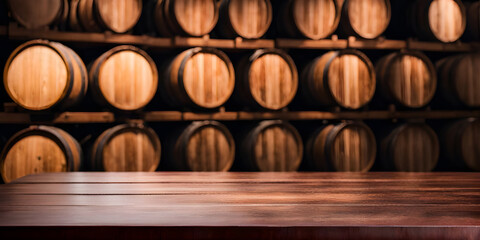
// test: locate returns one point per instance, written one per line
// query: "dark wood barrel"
(199, 77)
(126, 148)
(42, 75)
(343, 147)
(267, 79)
(345, 78)
(460, 144)
(365, 18)
(438, 20)
(39, 149)
(38, 13)
(97, 15)
(124, 78)
(248, 19)
(407, 78)
(185, 17)
(73, 18)
(203, 146)
(313, 19)
(459, 78)
(411, 147)
(472, 30)
(272, 145)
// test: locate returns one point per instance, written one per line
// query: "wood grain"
(87, 17)
(250, 19)
(461, 140)
(36, 14)
(366, 18)
(316, 19)
(119, 15)
(446, 20)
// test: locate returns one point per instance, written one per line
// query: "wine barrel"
(344, 147)
(459, 78)
(365, 18)
(411, 147)
(248, 19)
(124, 78)
(36, 14)
(267, 79)
(39, 149)
(345, 78)
(203, 146)
(472, 30)
(438, 20)
(42, 75)
(126, 148)
(73, 18)
(460, 144)
(272, 145)
(313, 19)
(185, 17)
(118, 16)
(407, 78)
(198, 77)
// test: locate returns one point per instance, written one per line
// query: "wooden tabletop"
(178, 205)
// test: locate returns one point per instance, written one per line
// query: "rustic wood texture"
(119, 15)
(73, 21)
(248, 19)
(344, 78)
(412, 147)
(461, 140)
(36, 150)
(127, 147)
(446, 20)
(87, 16)
(36, 14)
(124, 78)
(242, 206)
(408, 78)
(366, 18)
(41, 75)
(316, 19)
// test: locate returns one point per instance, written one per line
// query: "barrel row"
(270, 145)
(440, 20)
(41, 76)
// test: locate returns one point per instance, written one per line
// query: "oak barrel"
(365, 18)
(203, 146)
(272, 145)
(411, 147)
(439, 20)
(185, 17)
(472, 30)
(124, 78)
(42, 75)
(39, 149)
(345, 78)
(249, 19)
(36, 14)
(460, 144)
(199, 77)
(125, 148)
(407, 78)
(343, 147)
(459, 77)
(267, 79)
(118, 16)
(313, 19)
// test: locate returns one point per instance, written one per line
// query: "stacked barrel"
(44, 77)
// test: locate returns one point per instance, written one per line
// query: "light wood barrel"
(440, 20)
(365, 18)
(273, 145)
(126, 148)
(460, 143)
(186, 17)
(199, 77)
(411, 147)
(473, 21)
(344, 147)
(313, 19)
(36, 14)
(248, 19)
(459, 78)
(124, 78)
(39, 149)
(115, 15)
(408, 78)
(345, 78)
(267, 79)
(203, 146)
(42, 75)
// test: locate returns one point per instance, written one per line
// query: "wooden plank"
(241, 43)
(438, 47)
(84, 117)
(14, 118)
(158, 116)
(220, 116)
(202, 42)
(376, 44)
(311, 44)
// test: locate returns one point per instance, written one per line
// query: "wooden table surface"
(178, 205)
